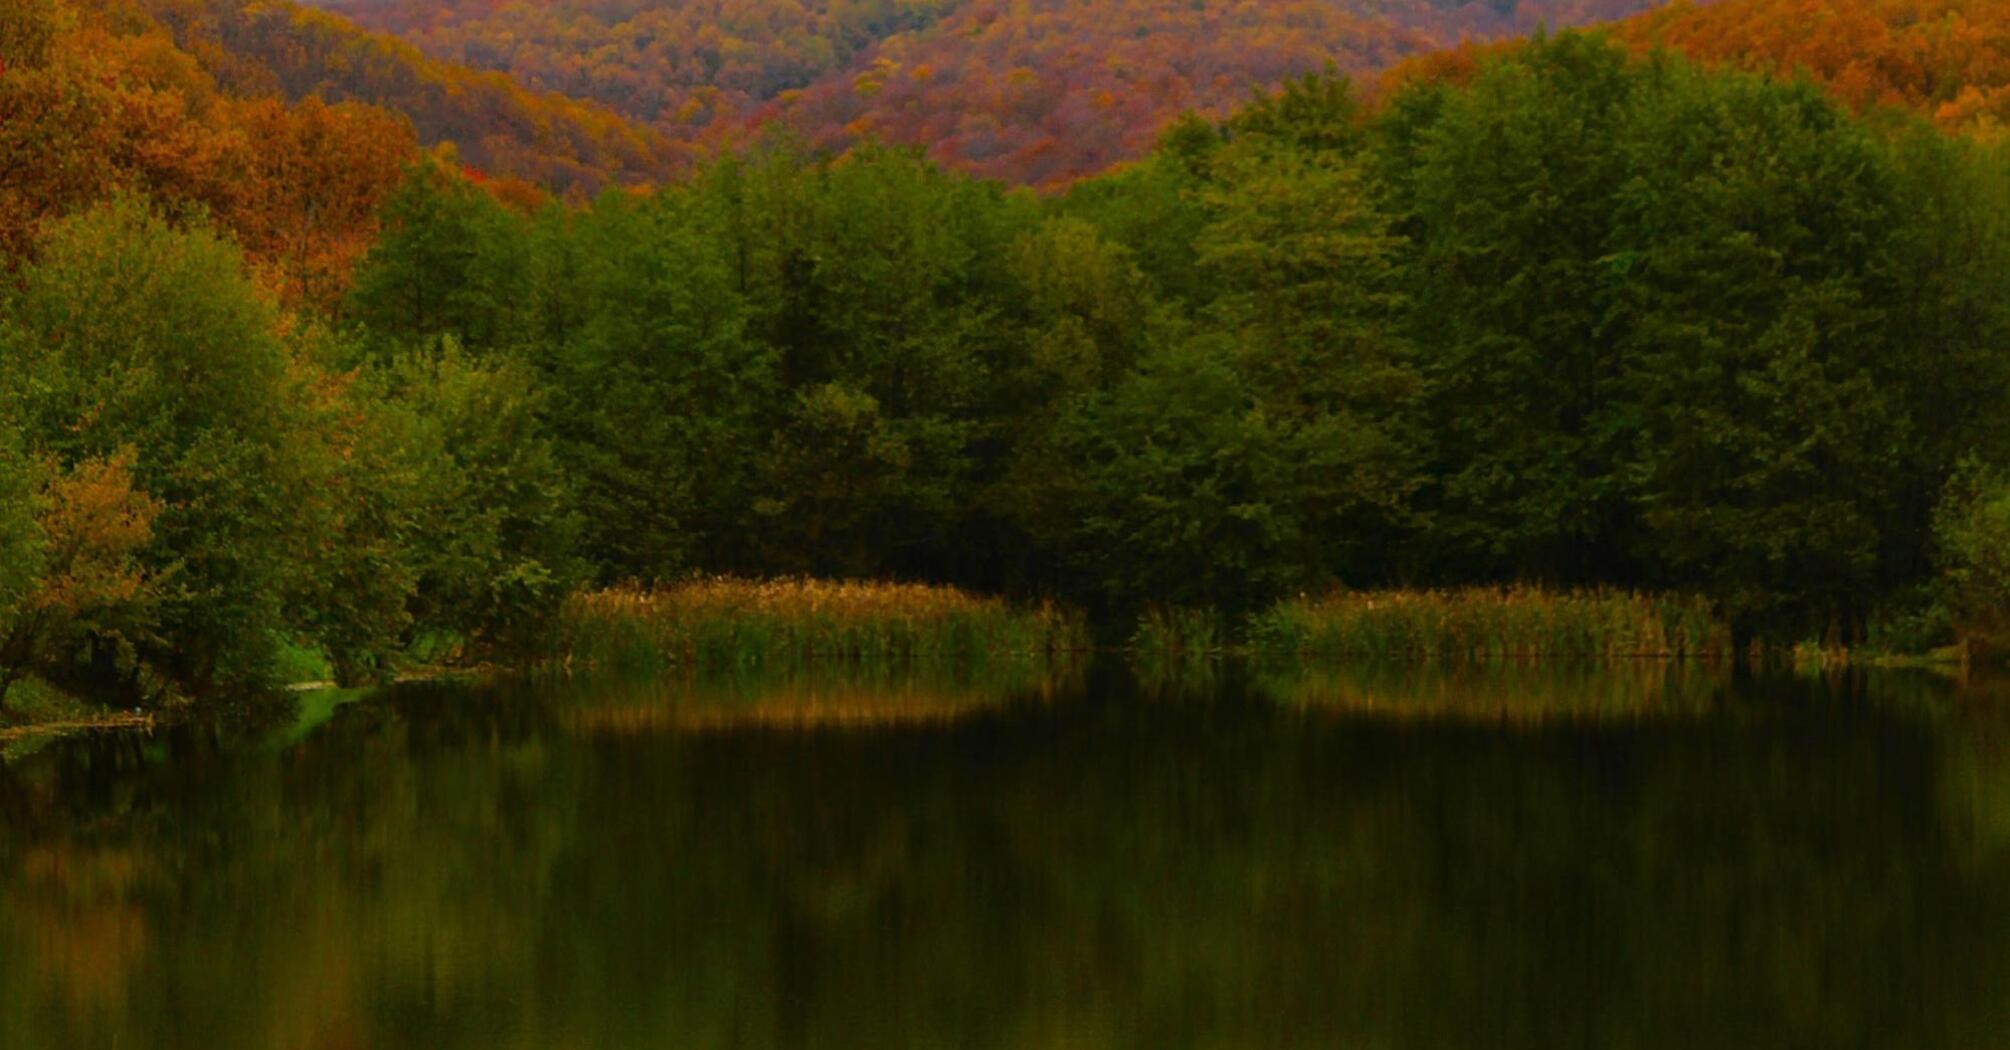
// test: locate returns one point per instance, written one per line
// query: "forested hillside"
(97, 102)
(1949, 59)
(682, 63)
(275, 48)
(1029, 91)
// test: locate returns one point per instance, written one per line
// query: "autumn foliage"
(96, 101)
(274, 373)
(91, 526)
(1949, 59)
(1028, 91)
(606, 92)
(684, 65)
(275, 48)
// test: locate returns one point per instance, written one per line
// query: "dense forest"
(1561, 312)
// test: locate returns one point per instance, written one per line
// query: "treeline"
(1577, 318)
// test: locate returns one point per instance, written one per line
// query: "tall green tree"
(1177, 486)
(452, 260)
(1505, 189)
(136, 335)
(661, 400)
(1762, 392)
(1307, 274)
(875, 278)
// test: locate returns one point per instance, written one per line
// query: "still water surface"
(1635, 858)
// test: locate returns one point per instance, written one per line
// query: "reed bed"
(726, 622)
(1479, 624)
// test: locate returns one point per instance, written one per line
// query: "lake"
(1643, 856)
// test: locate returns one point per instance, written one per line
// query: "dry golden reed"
(724, 621)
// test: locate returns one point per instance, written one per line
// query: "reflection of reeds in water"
(1488, 624)
(1169, 634)
(1511, 693)
(739, 623)
(826, 695)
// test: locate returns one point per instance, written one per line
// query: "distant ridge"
(279, 48)
(1029, 91)
(1037, 92)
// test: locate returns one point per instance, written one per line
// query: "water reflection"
(1259, 861)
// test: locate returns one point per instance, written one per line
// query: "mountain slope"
(1032, 91)
(1947, 58)
(677, 63)
(278, 48)
(97, 101)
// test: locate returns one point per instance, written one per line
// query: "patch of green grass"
(33, 702)
(301, 663)
(37, 712)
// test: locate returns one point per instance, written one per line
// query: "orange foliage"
(1949, 59)
(94, 524)
(98, 111)
(107, 103)
(1453, 65)
(308, 211)
(278, 48)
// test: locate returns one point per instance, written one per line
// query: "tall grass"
(1172, 634)
(1491, 624)
(725, 622)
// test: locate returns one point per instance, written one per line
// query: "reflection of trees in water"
(1786, 864)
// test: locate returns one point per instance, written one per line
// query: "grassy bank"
(730, 622)
(36, 711)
